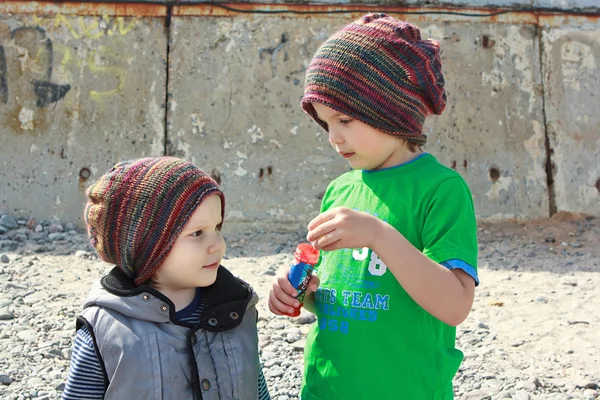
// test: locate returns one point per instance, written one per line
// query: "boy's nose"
(335, 138)
(218, 243)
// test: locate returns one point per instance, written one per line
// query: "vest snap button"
(164, 308)
(213, 322)
(205, 384)
(146, 297)
(234, 315)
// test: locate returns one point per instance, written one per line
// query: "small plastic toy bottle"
(305, 258)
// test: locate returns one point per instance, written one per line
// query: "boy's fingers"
(314, 283)
(328, 240)
(277, 306)
(319, 231)
(319, 219)
(284, 297)
(332, 246)
(272, 308)
(286, 286)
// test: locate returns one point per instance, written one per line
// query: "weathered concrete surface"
(243, 114)
(492, 131)
(235, 85)
(572, 77)
(557, 4)
(77, 94)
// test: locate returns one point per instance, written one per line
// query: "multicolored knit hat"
(136, 211)
(379, 71)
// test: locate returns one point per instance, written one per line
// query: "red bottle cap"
(307, 254)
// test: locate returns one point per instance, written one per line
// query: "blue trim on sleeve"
(460, 264)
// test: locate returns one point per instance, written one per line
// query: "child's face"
(197, 253)
(362, 145)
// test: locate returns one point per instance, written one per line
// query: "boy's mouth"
(347, 155)
(212, 266)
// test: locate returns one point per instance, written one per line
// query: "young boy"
(398, 233)
(168, 321)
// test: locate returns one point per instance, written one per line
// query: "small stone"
(5, 379)
(504, 395)
(306, 317)
(532, 254)
(54, 353)
(592, 385)
(276, 324)
(299, 345)
(563, 244)
(8, 222)
(293, 336)
(31, 224)
(274, 372)
(283, 397)
(550, 240)
(66, 354)
(272, 362)
(55, 236)
(33, 299)
(522, 395)
(590, 394)
(477, 395)
(82, 254)
(6, 314)
(35, 381)
(28, 335)
(481, 325)
(517, 343)
(535, 382)
(69, 227)
(56, 228)
(541, 299)
(39, 228)
(4, 258)
(576, 244)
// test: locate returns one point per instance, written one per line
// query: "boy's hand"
(343, 228)
(282, 298)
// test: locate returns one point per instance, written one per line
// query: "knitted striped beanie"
(379, 71)
(136, 211)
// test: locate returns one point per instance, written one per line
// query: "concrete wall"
(557, 4)
(76, 94)
(85, 86)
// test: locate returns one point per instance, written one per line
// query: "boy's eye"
(198, 233)
(345, 121)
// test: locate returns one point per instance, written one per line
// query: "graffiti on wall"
(41, 63)
(33, 56)
(91, 28)
(102, 57)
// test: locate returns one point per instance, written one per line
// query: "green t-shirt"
(372, 341)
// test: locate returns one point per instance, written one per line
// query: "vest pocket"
(153, 354)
